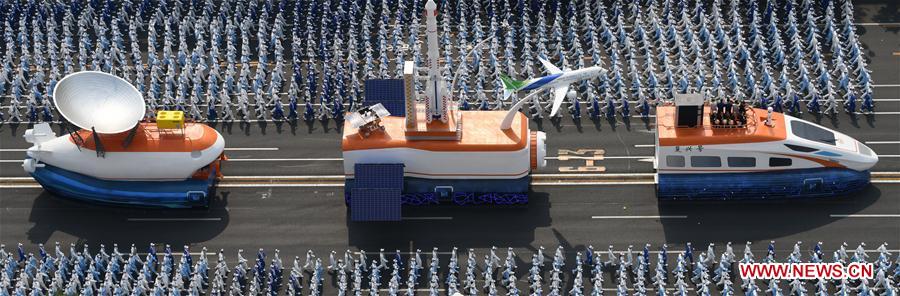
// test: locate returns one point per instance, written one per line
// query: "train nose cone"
(868, 157)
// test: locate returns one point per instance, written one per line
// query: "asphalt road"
(294, 219)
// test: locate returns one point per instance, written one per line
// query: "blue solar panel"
(375, 204)
(378, 175)
(388, 92)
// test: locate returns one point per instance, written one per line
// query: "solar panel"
(378, 175)
(366, 115)
(389, 92)
(375, 204)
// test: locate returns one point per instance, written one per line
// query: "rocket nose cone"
(430, 5)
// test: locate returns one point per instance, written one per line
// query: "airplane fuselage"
(562, 79)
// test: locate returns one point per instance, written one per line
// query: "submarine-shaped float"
(117, 157)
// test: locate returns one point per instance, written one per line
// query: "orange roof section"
(756, 130)
(480, 132)
(149, 138)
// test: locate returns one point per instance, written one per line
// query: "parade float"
(726, 151)
(118, 158)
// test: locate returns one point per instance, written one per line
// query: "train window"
(800, 148)
(706, 161)
(779, 162)
(742, 162)
(675, 161)
(812, 132)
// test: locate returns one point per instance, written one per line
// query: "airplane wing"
(549, 66)
(559, 94)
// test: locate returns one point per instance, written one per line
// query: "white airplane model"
(558, 80)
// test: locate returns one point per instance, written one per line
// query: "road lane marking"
(886, 85)
(30, 186)
(286, 159)
(641, 217)
(251, 149)
(881, 142)
(865, 216)
(889, 156)
(13, 150)
(172, 219)
(266, 185)
(593, 183)
(877, 24)
(427, 218)
(644, 145)
(597, 157)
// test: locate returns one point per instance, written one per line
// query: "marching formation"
(276, 60)
(629, 272)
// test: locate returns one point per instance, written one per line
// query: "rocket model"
(436, 94)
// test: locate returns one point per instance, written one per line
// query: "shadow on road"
(470, 226)
(100, 224)
(740, 221)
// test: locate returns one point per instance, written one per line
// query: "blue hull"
(165, 194)
(421, 191)
(787, 184)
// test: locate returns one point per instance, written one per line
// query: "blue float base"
(166, 194)
(420, 191)
(787, 184)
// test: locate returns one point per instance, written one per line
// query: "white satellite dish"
(98, 100)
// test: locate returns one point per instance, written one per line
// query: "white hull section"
(125, 166)
(447, 164)
(845, 152)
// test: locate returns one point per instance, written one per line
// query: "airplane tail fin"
(510, 85)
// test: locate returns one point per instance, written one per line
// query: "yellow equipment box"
(170, 119)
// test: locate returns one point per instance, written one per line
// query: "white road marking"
(13, 150)
(250, 149)
(286, 159)
(886, 181)
(172, 219)
(877, 24)
(865, 216)
(593, 183)
(641, 217)
(629, 157)
(881, 142)
(427, 218)
(266, 185)
(644, 145)
(593, 175)
(598, 157)
(889, 156)
(886, 85)
(162, 250)
(886, 113)
(11, 160)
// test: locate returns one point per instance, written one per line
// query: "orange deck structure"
(150, 138)
(436, 129)
(755, 130)
(480, 132)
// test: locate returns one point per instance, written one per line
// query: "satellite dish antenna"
(99, 101)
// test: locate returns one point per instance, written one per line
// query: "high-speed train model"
(116, 158)
(766, 155)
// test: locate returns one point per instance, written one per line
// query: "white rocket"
(436, 93)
